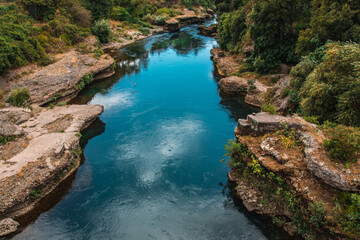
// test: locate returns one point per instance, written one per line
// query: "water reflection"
(182, 42)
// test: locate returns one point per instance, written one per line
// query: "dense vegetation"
(319, 40)
(32, 30)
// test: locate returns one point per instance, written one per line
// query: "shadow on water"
(64, 187)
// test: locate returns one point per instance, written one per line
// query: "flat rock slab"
(44, 140)
(53, 140)
(61, 77)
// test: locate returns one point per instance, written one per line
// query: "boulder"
(234, 85)
(8, 226)
(210, 31)
(172, 25)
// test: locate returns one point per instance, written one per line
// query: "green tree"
(337, 20)
(273, 34)
(331, 91)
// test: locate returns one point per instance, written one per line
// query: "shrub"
(98, 53)
(19, 97)
(268, 108)
(330, 20)
(120, 14)
(4, 140)
(102, 30)
(331, 91)
(160, 20)
(18, 46)
(343, 143)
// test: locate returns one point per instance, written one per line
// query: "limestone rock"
(8, 226)
(52, 140)
(60, 78)
(210, 31)
(234, 85)
(172, 25)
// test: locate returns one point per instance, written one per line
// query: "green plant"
(102, 30)
(4, 140)
(19, 97)
(347, 211)
(312, 119)
(160, 20)
(62, 104)
(98, 53)
(251, 83)
(35, 194)
(88, 78)
(318, 214)
(343, 143)
(268, 108)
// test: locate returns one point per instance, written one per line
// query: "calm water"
(154, 173)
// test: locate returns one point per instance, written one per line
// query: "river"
(155, 172)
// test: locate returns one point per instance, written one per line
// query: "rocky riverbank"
(45, 150)
(188, 17)
(280, 169)
(257, 90)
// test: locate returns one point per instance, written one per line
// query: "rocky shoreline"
(257, 90)
(283, 172)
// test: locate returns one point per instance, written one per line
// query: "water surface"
(154, 173)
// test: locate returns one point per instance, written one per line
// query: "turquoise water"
(155, 171)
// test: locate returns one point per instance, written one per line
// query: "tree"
(337, 20)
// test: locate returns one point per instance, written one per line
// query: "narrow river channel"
(156, 171)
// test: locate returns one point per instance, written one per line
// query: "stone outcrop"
(291, 148)
(315, 160)
(172, 25)
(210, 31)
(226, 64)
(257, 90)
(234, 85)
(60, 78)
(187, 18)
(51, 153)
(8, 226)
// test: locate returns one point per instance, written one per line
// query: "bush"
(98, 53)
(160, 20)
(18, 46)
(343, 144)
(268, 108)
(102, 30)
(120, 14)
(331, 91)
(330, 20)
(19, 97)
